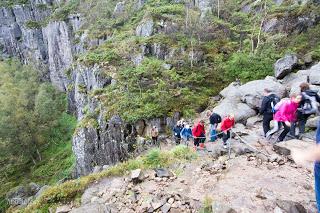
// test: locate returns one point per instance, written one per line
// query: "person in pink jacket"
(286, 114)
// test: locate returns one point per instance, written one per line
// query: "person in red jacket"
(199, 133)
(226, 124)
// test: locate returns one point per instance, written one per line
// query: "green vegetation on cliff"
(186, 57)
(35, 130)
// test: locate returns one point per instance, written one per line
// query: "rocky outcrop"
(22, 195)
(145, 29)
(104, 144)
(285, 65)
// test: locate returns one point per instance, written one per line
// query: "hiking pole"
(252, 147)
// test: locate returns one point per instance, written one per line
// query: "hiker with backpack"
(214, 119)
(286, 114)
(154, 135)
(177, 132)
(186, 134)
(226, 125)
(307, 107)
(199, 133)
(267, 109)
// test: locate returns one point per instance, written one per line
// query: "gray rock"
(285, 148)
(252, 92)
(262, 157)
(100, 147)
(251, 122)
(105, 167)
(241, 111)
(119, 9)
(220, 208)
(270, 25)
(165, 208)
(145, 29)
(40, 192)
(63, 209)
(137, 176)
(156, 204)
(313, 122)
(285, 65)
(290, 206)
(231, 91)
(160, 172)
(315, 74)
(92, 208)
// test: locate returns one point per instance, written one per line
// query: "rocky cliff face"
(52, 47)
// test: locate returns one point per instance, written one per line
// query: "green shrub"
(33, 24)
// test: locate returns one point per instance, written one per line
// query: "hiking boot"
(225, 145)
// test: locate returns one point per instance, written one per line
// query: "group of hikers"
(288, 112)
(219, 128)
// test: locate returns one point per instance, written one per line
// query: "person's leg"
(284, 132)
(302, 123)
(317, 183)
(225, 137)
(275, 129)
(293, 129)
(266, 123)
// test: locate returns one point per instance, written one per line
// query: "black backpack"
(273, 100)
(215, 118)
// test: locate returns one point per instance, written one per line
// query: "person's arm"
(263, 105)
(301, 157)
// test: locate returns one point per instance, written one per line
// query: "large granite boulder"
(315, 74)
(252, 92)
(241, 111)
(285, 65)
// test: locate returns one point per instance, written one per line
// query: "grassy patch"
(69, 190)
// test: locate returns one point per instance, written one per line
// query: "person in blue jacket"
(186, 134)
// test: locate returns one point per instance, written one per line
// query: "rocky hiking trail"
(247, 182)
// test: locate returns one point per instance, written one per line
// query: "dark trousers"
(225, 136)
(267, 118)
(284, 132)
(201, 139)
(155, 140)
(177, 140)
(302, 120)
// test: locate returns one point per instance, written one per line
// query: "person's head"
(296, 98)
(154, 127)
(304, 87)
(231, 116)
(202, 122)
(266, 91)
(187, 126)
(209, 113)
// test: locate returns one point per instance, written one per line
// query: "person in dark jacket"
(268, 102)
(307, 107)
(214, 119)
(177, 132)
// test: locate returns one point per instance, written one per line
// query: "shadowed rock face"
(100, 146)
